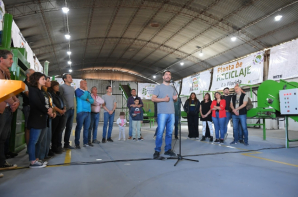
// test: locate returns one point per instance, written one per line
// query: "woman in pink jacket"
(95, 113)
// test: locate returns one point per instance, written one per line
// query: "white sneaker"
(37, 164)
(197, 138)
(43, 162)
(119, 139)
(86, 145)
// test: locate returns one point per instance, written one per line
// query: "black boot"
(203, 138)
(211, 139)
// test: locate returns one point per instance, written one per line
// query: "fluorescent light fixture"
(69, 62)
(154, 76)
(67, 36)
(65, 10)
(68, 52)
(70, 70)
(182, 63)
(201, 54)
(278, 17)
(233, 38)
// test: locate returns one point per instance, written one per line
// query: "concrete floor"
(224, 170)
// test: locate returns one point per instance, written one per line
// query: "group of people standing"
(219, 111)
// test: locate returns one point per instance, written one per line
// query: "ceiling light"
(68, 52)
(278, 17)
(65, 10)
(69, 62)
(67, 36)
(201, 54)
(182, 63)
(70, 70)
(233, 38)
(154, 76)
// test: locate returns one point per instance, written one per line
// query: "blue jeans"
(219, 124)
(240, 120)
(45, 141)
(165, 121)
(130, 126)
(33, 147)
(176, 125)
(83, 118)
(240, 132)
(229, 115)
(93, 125)
(108, 118)
(68, 120)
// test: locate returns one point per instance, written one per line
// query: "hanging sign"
(283, 61)
(197, 83)
(145, 90)
(248, 70)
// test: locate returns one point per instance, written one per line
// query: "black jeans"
(57, 130)
(193, 125)
(5, 126)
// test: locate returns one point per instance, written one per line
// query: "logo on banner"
(258, 58)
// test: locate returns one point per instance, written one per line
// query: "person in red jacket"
(219, 116)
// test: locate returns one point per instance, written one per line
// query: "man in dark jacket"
(130, 103)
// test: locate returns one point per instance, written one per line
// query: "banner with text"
(248, 70)
(283, 61)
(145, 90)
(197, 83)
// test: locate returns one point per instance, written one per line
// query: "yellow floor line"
(67, 159)
(250, 155)
(73, 132)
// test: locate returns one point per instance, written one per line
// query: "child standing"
(121, 121)
(137, 117)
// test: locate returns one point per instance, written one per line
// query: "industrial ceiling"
(137, 39)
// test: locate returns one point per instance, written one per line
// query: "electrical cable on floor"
(145, 159)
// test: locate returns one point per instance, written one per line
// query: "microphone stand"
(179, 156)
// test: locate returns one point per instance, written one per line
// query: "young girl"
(121, 121)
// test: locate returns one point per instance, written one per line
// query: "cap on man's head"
(226, 88)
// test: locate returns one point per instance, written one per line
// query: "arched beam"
(116, 40)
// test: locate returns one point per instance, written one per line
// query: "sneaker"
(197, 138)
(217, 140)
(43, 162)
(8, 166)
(85, 145)
(78, 147)
(211, 139)
(221, 141)
(90, 144)
(241, 141)
(170, 153)
(37, 164)
(156, 155)
(68, 147)
(95, 141)
(234, 142)
(226, 135)
(119, 139)
(103, 140)
(203, 138)
(134, 139)
(140, 139)
(110, 140)
(1, 175)
(129, 138)
(245, 143)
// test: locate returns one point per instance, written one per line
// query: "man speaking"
(164, 95)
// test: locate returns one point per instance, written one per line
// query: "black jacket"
(57, 99)
(38, 117)
(197, 107)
